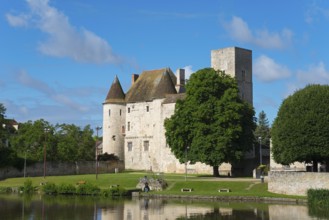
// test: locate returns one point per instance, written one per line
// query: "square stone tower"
(236, 62)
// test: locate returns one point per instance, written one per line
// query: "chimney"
(134, 77)
(180, 84)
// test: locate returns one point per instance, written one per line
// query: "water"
(68, 207)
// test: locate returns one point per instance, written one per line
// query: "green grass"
(201, 185)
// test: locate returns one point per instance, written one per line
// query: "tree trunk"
(315, 166)
(215, 171)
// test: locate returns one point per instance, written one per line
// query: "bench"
(186, 190)
(114, 186)
(224, 190)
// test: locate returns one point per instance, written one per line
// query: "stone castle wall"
(236, 62)
(296, 183)
(59, 169)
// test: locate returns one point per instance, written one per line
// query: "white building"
(133, 122)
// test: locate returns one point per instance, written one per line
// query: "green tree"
(32, 138)
(300, 130)
(263, 129)
(74, 144)
(212, 124)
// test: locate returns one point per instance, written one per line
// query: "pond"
(14, 206)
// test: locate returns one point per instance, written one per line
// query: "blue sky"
(58, 58)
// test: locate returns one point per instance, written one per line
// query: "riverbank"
(201, 187)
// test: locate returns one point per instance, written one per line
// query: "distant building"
(133, 122)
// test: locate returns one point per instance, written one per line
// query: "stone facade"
(296, 183)
(133, 123)
(236, 62)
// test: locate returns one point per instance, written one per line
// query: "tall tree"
(300, 130)
(75, 144)
(32, 138)
(263, 129)
(212, 124)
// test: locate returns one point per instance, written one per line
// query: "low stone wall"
(296, 183)
(58, 169)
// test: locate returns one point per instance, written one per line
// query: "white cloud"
(267, 70)
(315, 12)
(18, 20)
(188, 71)
(25, 79)
(64, 40)
(316, 74)
(239, 30)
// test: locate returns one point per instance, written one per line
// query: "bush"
(5, 190)
(318, 197)
(49, 188)
(28, 187)
(114, 192)
(88, 189)
(66, 188)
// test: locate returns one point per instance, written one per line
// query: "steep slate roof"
(153, 84)
(172, 98)
(115, 94)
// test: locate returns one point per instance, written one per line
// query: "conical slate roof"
(153, 84)
(115, 94)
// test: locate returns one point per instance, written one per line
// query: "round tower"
(114, 117)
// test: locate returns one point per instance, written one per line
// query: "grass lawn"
(201, 185)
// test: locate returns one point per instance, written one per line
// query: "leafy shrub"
(49, 188)
(115, 191)
(5, 190)
(318, 197)
(28, 187)
(66, 188)
(88, 189)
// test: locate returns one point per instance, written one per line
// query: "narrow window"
(109, 112)
(130, 146)
(123, 129)
(120, 112)
(128, 126)
(147, 108)
(243, 75)
(128, 110)
(146, 145)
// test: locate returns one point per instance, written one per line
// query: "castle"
(133, 122)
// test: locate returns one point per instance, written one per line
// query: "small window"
(147, 108)
(128, 110)
(243, 75)
(128, 126)
(113, 137)
(130, 146)
(120, 112)
(109, 112)
(146, 145)
(123, 129)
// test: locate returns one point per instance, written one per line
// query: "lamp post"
(186, 149)
(260, 151)
(96, 153)
(45, 153)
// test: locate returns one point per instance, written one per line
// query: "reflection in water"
(71, 207)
